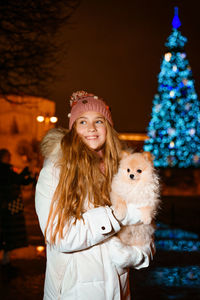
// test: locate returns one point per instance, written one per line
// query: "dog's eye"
(128, 170)
(139, 171)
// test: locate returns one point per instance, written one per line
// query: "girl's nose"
(91, 127)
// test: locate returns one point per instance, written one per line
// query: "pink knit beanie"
(82, 102)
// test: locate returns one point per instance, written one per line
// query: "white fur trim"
(51, 144)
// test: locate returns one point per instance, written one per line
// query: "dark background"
(115, 49)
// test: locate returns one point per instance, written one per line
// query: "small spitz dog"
(136, 182)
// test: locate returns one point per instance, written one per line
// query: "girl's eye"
(83, 122)
(139, 171)
(128, 170)
(99, 122)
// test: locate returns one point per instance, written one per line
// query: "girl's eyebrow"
(98, 117)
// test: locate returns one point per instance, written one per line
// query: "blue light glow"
(178, 245)
(163, 231)
(176, 274)
(176, 23)
(168, 239)
(176, 277)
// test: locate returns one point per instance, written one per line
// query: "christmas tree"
(174, 129)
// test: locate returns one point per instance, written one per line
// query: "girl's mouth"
(92, 137)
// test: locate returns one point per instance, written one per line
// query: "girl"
(74, 209)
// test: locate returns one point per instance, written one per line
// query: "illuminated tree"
(174, 128)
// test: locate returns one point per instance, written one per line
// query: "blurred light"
(16, 170)
(176, 23)
(40, 119)
(171, 131)
(168, 56)
(185, 81)
(178, 245)
(53, 119)
(133, 136)
(40, 249)
(192, 131)
(183, 55)
(158, 107)
(187, 106)
(172, 94)
(181, 277)
(196, 158)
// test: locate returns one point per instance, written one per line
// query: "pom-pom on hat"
(82, 102)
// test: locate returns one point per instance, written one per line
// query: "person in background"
(74, 208)
(12, 222)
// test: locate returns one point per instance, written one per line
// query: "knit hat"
(82, 102)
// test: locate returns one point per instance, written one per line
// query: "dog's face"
(135, 167)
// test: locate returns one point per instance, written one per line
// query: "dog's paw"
(119, 209)
(146, 214)
(120, 214)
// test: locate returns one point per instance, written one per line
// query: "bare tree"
(28, 45)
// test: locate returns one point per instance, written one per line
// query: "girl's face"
(91, 127)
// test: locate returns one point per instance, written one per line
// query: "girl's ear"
(124, 154)
(148, 156)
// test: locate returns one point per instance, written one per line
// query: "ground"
(173, 274)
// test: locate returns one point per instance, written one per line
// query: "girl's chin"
(95, 147)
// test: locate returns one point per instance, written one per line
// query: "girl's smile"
(92, 129)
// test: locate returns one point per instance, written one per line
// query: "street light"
(40, 119)
(43, 124)
(47, 119)
(53, 119)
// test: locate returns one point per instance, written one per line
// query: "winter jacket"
(13, 233)
(79, 267)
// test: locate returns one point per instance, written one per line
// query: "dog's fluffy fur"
(136, 182)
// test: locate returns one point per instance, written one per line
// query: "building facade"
(23, 122)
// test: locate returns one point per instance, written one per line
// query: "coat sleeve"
(124, 256)
(97, 224)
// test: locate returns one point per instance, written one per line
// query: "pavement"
(25, 279)
(173, 274)
(175, 270)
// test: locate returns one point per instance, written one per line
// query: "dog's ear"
(124, 154)
(148, 156)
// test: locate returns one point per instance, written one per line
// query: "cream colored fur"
(142, 191)
(51, 143)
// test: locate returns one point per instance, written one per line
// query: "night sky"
(115, 51)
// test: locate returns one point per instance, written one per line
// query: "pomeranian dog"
(136, 182)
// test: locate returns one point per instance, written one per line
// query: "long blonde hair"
(81, 177)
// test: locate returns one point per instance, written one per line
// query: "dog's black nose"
(132, 176)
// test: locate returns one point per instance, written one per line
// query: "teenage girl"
(75, 212)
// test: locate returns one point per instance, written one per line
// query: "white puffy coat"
(80, 267)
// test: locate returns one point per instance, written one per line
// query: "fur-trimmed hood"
(51, 143)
